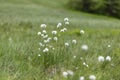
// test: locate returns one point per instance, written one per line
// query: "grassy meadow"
(21, 59)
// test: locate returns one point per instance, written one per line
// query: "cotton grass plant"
(58, 53)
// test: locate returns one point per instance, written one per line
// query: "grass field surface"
(87, 49)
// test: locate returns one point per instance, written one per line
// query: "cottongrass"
(63, 30)
(39, 55)
(67, 23)
(49, 42)
(66, 19)
(70, 72)
(74, 57)
(109, 46)
(84, 47)
(41, 44)
(54, 32)
(74, 41)
(59, 25)
(82, 31)
(108, 58)
(44, 31)
(82, 78)
(92, 77)
(85, 64)
(55, 38)
(65, 74)
(39, 33)
(66, 44)
(43, 25)
(101, 59)
(45, 50)
(45, 36)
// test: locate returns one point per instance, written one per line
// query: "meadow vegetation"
(87, 49)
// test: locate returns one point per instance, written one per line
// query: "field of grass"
(20, 22)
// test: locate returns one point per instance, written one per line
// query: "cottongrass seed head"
(39, 55)
(108, 58)
(74, 57)
(43, 25)
(66, 44)
(59, 25)
(65, 74)
(82, 31)
(45, 36)
(84, 47)
(92, 77)
(82, 78)
(55, 38)
(45, 50)
(67, 23)
(101, 59)
(54, 32)
(39, 33)
(70, 72)
(66, 19)
(44, 31)
(74, 41)
(41, 44)
(63, 30)
(109, 46)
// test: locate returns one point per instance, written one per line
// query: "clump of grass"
(58, 53)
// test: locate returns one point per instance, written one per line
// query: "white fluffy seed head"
(82, 31)
(92, 77)
(67, 23)
(82, 78)
(42, 45)
(74, 41)
(39, 55)
(63, 30)
(84, 63)
(109, 46)
(108, 58)
(54, 32)
(70, 72)
(43, 25)
(44, 31)
(46, 50)
(66, 19)
(45, 36)
(55, 38)
(84, 47)
(65, 74)
(39, 33)
(66, 44)
(42, 35)
(74, 57)
(59, 25)
(46, 41)
(101, 59)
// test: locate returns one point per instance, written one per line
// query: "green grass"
(20, 21)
